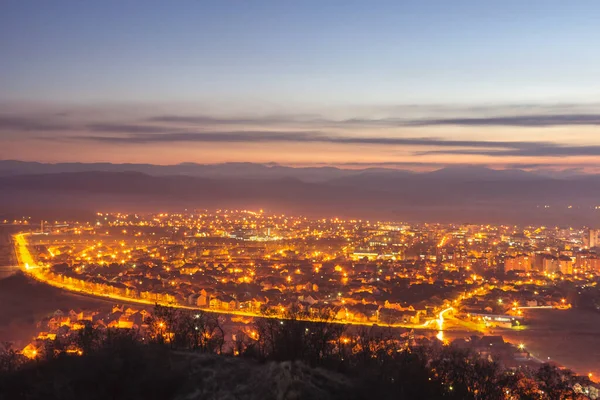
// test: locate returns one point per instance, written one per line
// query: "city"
(425, 278)
(275, 200)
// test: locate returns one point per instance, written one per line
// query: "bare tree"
(10, 359)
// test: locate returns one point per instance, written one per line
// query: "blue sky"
(127, 61)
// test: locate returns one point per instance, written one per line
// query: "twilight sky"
(418, 84)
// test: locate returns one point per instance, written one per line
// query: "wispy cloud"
(311, 128)
(527, 115)
(440, 164)
(539, 150)
(283, 119)
(304, 137)
(516, 120)
(28, 124)
(126, 128)
(532, 120)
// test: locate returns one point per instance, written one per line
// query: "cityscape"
(426, 279)
(360, 272)
(290, 200)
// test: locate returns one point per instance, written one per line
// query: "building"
(550, 264)
(591, 239)
(565, 265)
(521, 262)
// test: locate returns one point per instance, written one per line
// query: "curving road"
(30, 268)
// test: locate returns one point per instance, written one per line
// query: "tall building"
(591, 239)
(565, 265)
(550, 264)
(521, 262)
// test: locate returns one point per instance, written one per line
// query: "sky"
(418, 85)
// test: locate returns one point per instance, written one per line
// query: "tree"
(10, 359)
(87, 337)
(556, 384)
(466, 375)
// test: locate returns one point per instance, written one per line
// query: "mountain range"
(452, 194)
(266, 171)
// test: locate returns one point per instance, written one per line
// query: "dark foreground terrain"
(287, 360)
(159, 374)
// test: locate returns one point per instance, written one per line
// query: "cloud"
(126, 128)
(516, 120)
(540, 150)
(303, 137)
(22, 124)
(499, 164)
(415, 116)
(531, 120)
(257, 120)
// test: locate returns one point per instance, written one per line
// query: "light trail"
(440, 320)
(440, 323)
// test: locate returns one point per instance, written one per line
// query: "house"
(88, 315)
(193, 299)
(76, 325)
(75, 316)
(223, 302)
(343, 314)
(125, 322)
(203, 299)
(310, 299)
(364, 312)
(395, 316)
(129, 311)
(58, 321)
(46, 336)
(491, 341)
(138, 318)
(31, 351)
(113, 324)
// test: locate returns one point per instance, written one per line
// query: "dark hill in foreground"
(138, 373)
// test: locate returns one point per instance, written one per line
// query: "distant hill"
(225, 170)
(267, 171)
(468, 194)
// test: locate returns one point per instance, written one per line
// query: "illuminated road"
(440, 322)
(29, 267)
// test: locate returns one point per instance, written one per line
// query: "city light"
(166, 268)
